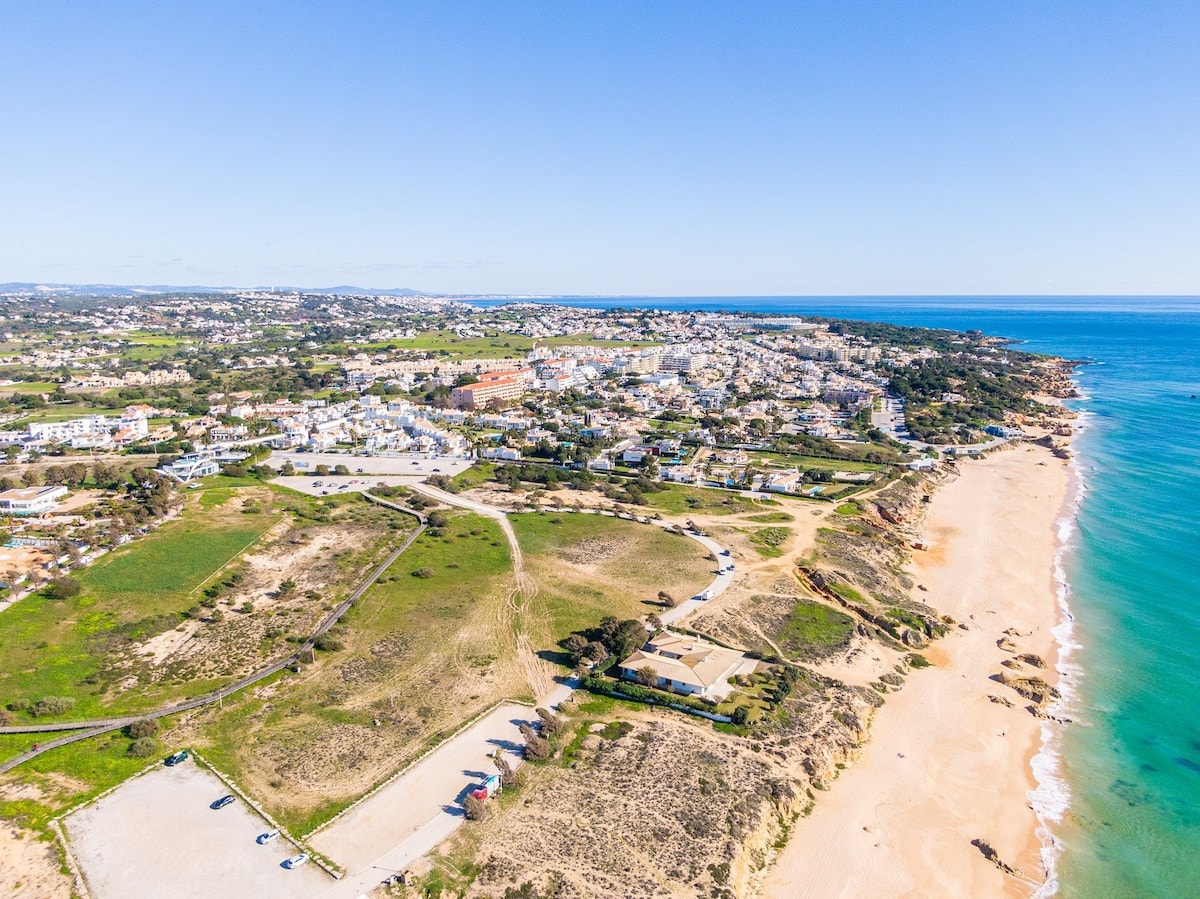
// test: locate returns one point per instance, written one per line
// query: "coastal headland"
(948, 761)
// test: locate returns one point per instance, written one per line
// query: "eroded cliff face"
(859, 558)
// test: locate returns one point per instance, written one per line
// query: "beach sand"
(945, 765)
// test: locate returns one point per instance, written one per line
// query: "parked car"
(358, 471)
(724, 552)
(264, 838)
(296, 860)
(222, 802)
(172, 760)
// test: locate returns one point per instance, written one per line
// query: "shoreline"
(946, 765)
(1051, 797)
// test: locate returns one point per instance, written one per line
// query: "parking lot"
(418, 810)
(156, 836)
(412, 465)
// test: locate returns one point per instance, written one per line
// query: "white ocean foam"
(1051, 798)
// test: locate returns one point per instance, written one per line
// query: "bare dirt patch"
(29, 867)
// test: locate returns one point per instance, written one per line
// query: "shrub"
(423, 572)
(143, 748)
(63, 588)
(476, 809)
(326, 643)
(741, 715)
(51, 705)
(147, 727)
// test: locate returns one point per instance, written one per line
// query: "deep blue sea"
(1122, 784)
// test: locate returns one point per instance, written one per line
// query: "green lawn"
(789, 460)
(814, 630)
(771, 518)
(678, 500)
(28, 387)
(479, 473)
(61, 647)
(494, 345)
(769, 540)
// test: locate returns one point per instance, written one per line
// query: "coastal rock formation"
(992, 856)
(1032, 688)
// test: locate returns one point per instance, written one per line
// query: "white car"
(296, 860)
(267, 837)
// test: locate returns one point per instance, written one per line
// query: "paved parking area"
(418, 810)
(409, 464)
(155, 837)
(330, 484)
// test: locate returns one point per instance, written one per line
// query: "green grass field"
(494, 345)
(678, 500)
(61, 647)
(814, 630)
(769, 540)
(789, 460)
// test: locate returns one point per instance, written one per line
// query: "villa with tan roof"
(687, 665)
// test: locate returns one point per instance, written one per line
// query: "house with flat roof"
(687, 665)
(188, 468)
(31, 500)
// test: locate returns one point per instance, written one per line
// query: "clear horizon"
(665, 150)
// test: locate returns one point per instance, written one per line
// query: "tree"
(647, 676)
(476, 809)
(667, 599)
(551, 723)
(341, 470)
(537, 749)
(741, 715)
(286, 588)
(509, 778)
(576, 645)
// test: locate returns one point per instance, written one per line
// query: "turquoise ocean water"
(1120, 788)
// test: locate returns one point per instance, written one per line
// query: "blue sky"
(647, 147)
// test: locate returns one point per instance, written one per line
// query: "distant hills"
(127, 290)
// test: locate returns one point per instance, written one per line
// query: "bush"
(63, 588)
(147, 727)
(476, 809)
(143, 748)
(51, 705)
(423, 572)
(326, 643)
(741, 715)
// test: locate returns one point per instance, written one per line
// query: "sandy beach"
(945, 765)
